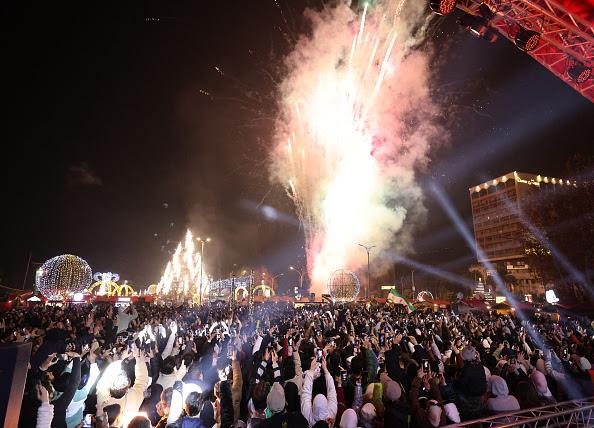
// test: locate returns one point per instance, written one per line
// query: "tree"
(564, 218)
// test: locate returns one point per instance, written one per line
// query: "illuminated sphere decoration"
(63, 276)
(343, 286)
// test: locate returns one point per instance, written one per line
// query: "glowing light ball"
(63, 276)
(551, 297)
(343, 286)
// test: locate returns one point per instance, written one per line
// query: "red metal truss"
(566, 38)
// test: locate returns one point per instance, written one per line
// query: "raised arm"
(330, 391)
(306, 404)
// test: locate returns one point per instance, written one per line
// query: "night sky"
(126, 122)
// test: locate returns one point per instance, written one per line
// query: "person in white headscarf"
(322, 408)
(348, 419)
(501, 400)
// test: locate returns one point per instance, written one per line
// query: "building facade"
(498, 229)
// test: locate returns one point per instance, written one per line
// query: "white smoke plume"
(356, 124)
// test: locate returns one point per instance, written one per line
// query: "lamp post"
(300, 276)
(273, 278)
(202, 242)
(368, 249)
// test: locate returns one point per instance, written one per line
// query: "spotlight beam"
(567, 265)
(472, 244)
(435, 271)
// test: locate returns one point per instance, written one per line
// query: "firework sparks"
(182, 273)
(355, 123)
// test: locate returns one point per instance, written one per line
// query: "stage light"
(527, 40)
(579, 73)
(478, 27)
(442, 7)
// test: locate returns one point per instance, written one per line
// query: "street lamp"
(300, 276)
(273, 278)
(202, 242)
(368, 249)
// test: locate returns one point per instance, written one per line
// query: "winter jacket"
(74, 412)
(315, 410)
(64, 400)
(236, 388)
(45, 414)
(124, 319)
(129, 403)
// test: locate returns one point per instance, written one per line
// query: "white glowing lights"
(551, 297)
(182, 274)
(354, 124)
(62, 276)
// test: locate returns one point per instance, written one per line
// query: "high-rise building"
(498, 230)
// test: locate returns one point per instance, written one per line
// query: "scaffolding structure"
(568, 414)
(565, 45)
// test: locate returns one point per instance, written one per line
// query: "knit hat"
(276, 398)
(585, 364)
(434, 415)
(498, 386)
(348, 419)
(540, 383)
(452, 413)
(368, 413)
(320, 408)
(392, 392)
(469, 353)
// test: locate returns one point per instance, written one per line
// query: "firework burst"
(355, 124)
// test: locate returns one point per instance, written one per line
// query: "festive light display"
(424, 295)
(356, 120)
(182, 273)
(106, 284)
(343, 286)
(62, 276)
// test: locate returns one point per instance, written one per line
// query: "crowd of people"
(357, 365)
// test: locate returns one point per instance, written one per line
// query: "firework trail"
(182, 273)
(355, 124)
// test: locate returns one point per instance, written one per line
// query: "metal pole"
(368, 278)
(250, 297)
(233, 291)
(201, 265)
(412, 274)
(27, 270)
(368, 249)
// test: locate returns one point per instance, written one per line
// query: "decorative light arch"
(107, 282)
(265, 288)
(238, 289)
(424, 295)
(126, 290)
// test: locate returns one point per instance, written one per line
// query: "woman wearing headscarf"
(501, 401)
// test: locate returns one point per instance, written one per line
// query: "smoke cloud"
(356, 124)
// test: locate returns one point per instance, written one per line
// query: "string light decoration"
(343, 286)
(106, 282)
(181, 277)
(62, 276)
